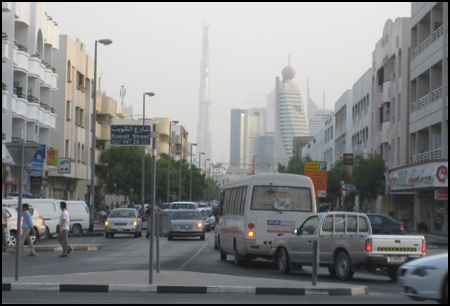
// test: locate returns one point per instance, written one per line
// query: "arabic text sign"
(130, 135)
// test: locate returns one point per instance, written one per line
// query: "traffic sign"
(344, 193)
(317, 171)
(64, 165)
(130, 135)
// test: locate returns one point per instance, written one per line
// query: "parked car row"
(45, 216)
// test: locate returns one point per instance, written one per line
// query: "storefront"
(420, 195)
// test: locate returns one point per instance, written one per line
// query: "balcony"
(105, 133)
(54, 81)
(22, 61)
(47, 77)
(427, 156)
(41, 115)
(5, 48)
(33, 111)
(108, 106)
(53, 121)
(34, 67)
(428, 42)
(20, 108)
(385, 132)
(4, 100)
(426, 100)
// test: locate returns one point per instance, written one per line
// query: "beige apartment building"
(420, 189)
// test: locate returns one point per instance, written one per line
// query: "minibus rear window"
(282, 198)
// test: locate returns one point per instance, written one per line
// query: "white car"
(425, 278)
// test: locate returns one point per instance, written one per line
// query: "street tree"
(296, 165)
(369, 177)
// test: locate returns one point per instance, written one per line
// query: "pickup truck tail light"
(424, 246)
(369, 245)
(402, 227)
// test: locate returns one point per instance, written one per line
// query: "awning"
(6, 157)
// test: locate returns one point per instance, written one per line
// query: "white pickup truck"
(346, 244)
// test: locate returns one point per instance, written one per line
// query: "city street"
(190, 254)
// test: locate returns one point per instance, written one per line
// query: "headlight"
(422, 271)
(135, 223)
(199, 225)
(107, 223)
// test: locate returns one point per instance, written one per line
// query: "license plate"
(397, 259)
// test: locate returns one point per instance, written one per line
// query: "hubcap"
(342, 266)
(282, 261)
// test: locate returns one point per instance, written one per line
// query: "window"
(309, 227)
(68, 111)
(281, 198)
(67, 151)
(351, 224)
(363, 226)
(340, 224)
(328, 225)
(69, 72)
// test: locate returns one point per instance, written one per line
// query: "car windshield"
(206, 213)
(122, 214)
(165, 206)
(186, 215)
(182, 206)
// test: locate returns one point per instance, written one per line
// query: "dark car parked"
(385, 226)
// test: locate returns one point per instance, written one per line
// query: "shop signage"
(441, 195)
(431, 175)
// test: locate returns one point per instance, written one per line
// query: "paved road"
(190, 254)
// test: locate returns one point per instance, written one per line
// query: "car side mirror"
(294, 231)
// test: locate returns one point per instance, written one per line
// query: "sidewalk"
(176, 282)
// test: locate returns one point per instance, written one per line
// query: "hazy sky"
(157, 47)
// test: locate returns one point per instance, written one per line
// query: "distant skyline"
(158, 47)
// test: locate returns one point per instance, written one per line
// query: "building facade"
(419, 190)
(72, 137)
(29, 40)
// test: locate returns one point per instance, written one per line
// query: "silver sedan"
(123, 221)
(187, 223)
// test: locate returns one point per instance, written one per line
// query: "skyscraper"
(290, 115)
(204, 136)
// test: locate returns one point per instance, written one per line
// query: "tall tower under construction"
(204, 136)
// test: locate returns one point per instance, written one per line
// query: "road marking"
(196, 254)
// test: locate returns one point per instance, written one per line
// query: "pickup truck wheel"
(344, 267)
(283, 262)
(392, 272)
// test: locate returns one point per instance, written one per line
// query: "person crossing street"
(64, 226)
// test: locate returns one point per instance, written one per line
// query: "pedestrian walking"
(4, 228)
(64, 226)
(147, 215)
(27, 227)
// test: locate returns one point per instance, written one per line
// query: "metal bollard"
(316, 262)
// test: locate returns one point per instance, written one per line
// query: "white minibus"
(256, 209)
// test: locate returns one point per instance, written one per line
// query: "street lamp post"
(206, 180)
(170, 145)
(150, 94)
(105, 42)
(181, 161)
(190, 192)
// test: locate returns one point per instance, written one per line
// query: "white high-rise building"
(290, 115)
(29, 38)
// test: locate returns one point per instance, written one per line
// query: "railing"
(427, 42)
(424, 101)
(427, 156)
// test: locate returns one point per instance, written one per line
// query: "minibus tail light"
(251, 234)
(251, 226)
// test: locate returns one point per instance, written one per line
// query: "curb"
(56, 248)
(308, 291)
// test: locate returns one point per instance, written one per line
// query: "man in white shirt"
(64, 226)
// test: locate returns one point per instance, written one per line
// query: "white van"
(48, 209)
(256, 209)
(79, 216)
